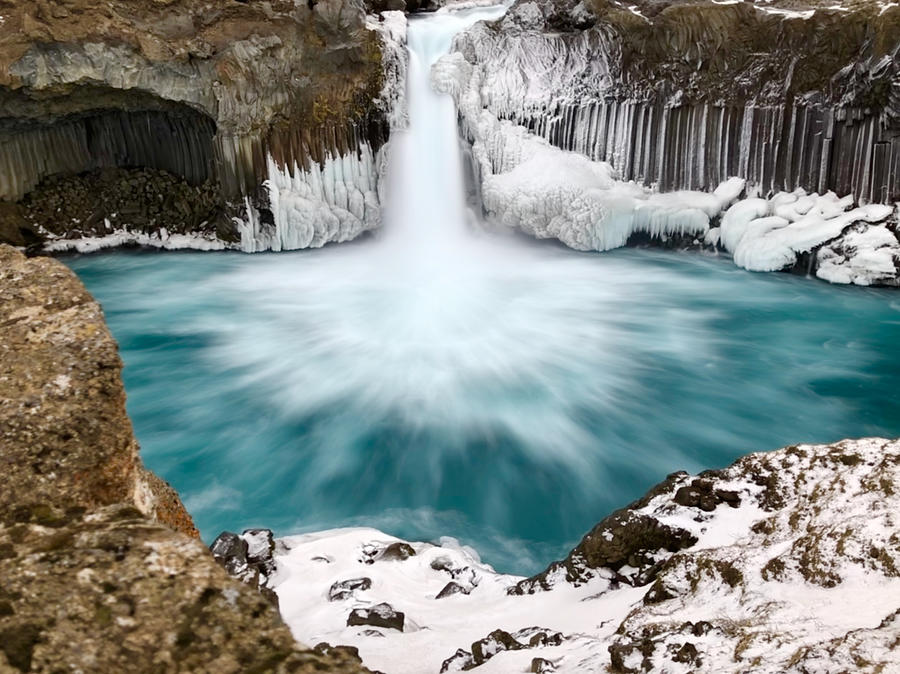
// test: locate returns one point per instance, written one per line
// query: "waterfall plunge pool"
(511, 396)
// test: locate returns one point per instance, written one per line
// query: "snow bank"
(124, 237)
(794, 558)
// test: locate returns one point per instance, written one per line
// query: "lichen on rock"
(101, 566)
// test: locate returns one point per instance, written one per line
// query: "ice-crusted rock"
(686, 94)
(733, 570)
(244, 94)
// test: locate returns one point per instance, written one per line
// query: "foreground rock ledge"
(101, 569)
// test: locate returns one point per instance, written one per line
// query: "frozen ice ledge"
(786, 561)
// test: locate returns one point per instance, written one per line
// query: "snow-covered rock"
(787, 561)
(769, 235)
(865, 255)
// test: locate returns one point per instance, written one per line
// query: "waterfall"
(425, 204)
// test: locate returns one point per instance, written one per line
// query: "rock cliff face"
(218, 95)
(687, 94)
(657, 118)
(102, 567)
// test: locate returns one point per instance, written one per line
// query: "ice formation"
(548, 192)
(758, 591)
(333, 201)
(768, 235)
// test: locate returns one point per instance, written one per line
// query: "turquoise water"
(510, 394)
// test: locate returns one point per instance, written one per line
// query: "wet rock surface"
(101, 566)
(380, 615)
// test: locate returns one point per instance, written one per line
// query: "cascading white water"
(425, 200)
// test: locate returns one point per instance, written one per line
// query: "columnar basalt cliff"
(102, 567)
(219, 96)
(658, 118)
(686, 94)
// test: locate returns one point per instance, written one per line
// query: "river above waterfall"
(510, 399)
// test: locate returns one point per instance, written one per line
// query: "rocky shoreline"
(786, 561)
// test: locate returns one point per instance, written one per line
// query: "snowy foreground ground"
(787, 561)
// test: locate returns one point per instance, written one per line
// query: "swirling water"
(506, 392)
(511, 399)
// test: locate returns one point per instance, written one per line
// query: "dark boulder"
(451, 588)
(380, 615)
(344, 589)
